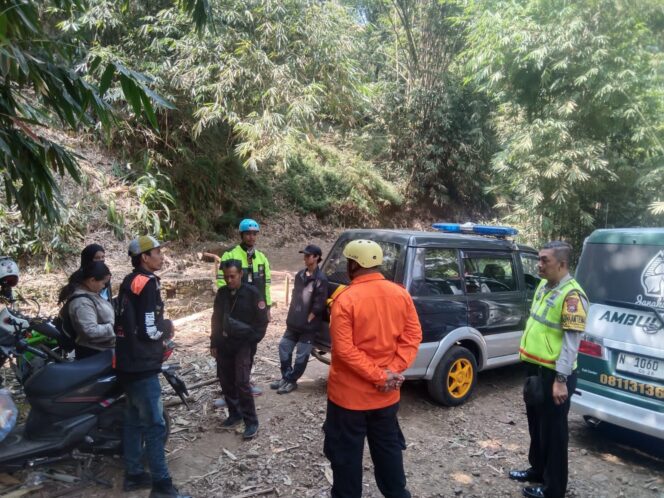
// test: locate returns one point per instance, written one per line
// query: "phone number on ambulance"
(632, 386)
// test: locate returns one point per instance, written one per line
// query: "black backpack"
(125, 311)
(63, 323)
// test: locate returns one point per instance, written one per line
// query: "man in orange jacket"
(375, 335)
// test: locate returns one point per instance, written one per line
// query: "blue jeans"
(289, 371)
(145, 428)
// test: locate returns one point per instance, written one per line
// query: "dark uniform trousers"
(234, 370)
(345, 431)
(549, 433)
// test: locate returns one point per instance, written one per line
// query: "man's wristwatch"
(561, 378)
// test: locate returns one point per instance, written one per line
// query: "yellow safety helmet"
(365, 252)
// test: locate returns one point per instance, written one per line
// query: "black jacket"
(239, 316)
(140, 326)
(309, 296)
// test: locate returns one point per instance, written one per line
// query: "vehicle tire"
(454, 378)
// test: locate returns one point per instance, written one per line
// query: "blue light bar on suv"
(472, 228)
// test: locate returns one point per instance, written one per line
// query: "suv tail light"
(590, 348)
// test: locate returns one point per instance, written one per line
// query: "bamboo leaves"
(39, 83)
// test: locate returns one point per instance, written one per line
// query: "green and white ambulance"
(621, 357)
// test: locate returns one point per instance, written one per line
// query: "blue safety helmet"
(249, 225)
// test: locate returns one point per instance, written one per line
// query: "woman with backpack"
(86, 316)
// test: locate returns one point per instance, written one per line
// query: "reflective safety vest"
(542, 340)
(258, 275)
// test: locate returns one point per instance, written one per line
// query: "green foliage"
(550, 111)
(151, 203)
(40, 83)
(336, 185)
(442, 141)
(116, 220)
(439, 136)
(155, 201)
(17, 239)
(579, 106)
(271, 71)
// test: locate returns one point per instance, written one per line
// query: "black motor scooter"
(74, 405)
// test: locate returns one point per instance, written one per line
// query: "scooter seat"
(56, 378)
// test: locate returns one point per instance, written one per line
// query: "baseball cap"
(142, 244)
(312, 249)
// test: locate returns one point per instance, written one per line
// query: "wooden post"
(287, 290)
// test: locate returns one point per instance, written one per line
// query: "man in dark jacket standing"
(139, 352)
(304, 320)
(239, 322)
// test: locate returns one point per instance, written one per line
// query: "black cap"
(312, 249)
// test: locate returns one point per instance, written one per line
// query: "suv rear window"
(488, 273)
(436, 272)
(335, 266)
(629, 273)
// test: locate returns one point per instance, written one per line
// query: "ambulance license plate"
(641, 365)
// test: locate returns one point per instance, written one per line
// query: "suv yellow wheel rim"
(460, 378)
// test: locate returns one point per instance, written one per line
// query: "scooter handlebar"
(22, 347)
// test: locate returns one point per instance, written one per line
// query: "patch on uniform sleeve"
(261, 305)
(572, 304)
(574, 314)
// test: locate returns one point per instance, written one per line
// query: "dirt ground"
(462, 451)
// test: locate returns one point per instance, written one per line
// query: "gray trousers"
(290, 371)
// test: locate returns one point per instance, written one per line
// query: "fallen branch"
(258, 492)
(22, 491)
(198, 478)
(190, 318)
(281, 450)
(177, 401)
(203, 383)
(495, 469)
(269, 360)
(229, 454)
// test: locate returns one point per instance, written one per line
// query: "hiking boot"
(165, 489)
(277, 384)
(288, 387)
(231, 422)
(250, 431)
(256, 391)
(132, 482)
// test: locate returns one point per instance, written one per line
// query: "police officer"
(375, 335)
(239, 322)
(255, 266)
(304, 320)
(549, 347)
(139, 352)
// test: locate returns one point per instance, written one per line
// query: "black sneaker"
(250, 431)
(277, 384)
(132, 482)
(231, 422)
(165, 489)
(288, 387)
